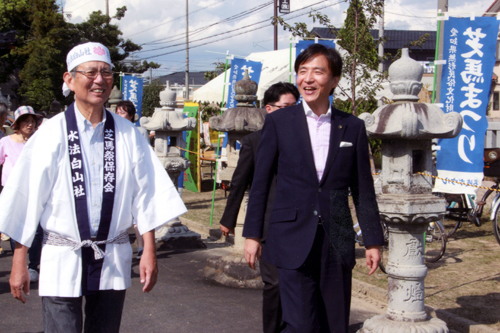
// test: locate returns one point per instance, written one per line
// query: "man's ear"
(269, 108)
(68, 79)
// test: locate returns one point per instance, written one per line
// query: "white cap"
(83, 53)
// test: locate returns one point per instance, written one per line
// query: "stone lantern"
(242, 120)
(115, 97)
(239, 121)
(406, 203)
(55, 107)
(168, 125)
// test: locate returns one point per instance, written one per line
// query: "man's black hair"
(274, 92)
(127, 106)
(333, 57)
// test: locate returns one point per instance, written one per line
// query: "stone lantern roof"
(406, 118)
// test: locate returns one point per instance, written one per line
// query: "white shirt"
(92, 142)
(40, 190)
(319, 132)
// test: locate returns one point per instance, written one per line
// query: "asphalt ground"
(183, 300)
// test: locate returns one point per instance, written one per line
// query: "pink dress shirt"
(319, 132)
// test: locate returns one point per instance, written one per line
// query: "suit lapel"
(304, 139)
(338, 128)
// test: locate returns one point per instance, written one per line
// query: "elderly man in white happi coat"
(86, 176)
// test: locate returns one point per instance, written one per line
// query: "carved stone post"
(406, 203)
(168, 125)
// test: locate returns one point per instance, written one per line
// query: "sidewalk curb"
(453, 321)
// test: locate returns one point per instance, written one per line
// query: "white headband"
(84, 53)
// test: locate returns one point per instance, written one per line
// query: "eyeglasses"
(280, 106)
(92, 74)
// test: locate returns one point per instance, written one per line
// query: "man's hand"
(373, 258)
(148, 269)
(252, 251)
(19, 276)
(226, 231)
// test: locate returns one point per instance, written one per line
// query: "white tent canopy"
(275, 68)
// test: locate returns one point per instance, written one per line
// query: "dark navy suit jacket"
(301, 200)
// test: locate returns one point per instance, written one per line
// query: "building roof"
(395, 39)
(179, 78)
(494, 7)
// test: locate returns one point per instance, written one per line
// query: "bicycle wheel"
(435, 242)
(496, 226)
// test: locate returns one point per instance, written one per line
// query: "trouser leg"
(62, 314)
(103, 311)
(271, 303)
(316, 296)
(35, 251)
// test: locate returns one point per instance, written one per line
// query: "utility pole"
(107, 8)
(187, 51)
(275, 25)
(443, 6)
(381, 46)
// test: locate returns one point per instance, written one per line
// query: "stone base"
(175, 233)
(381, 324)
(233, 271)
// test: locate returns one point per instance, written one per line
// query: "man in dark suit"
(279, 95)
(316, 153)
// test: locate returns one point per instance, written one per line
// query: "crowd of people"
(80, 181)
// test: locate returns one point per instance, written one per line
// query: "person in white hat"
(85, 176)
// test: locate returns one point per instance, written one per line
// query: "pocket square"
(345, 144)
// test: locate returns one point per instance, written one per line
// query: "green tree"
(361, 58)
(43, 41)
(41, 75)
(219, 68)
(151, 98)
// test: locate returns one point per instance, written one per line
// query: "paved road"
(182, 301)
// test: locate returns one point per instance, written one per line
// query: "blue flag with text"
(132, 91)
(469, 51)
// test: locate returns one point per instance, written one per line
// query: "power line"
(175, 19)
(228, 19)
(195, 46)
(237, 29)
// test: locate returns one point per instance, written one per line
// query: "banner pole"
(436, 58)
(290, 71)
(218, 142)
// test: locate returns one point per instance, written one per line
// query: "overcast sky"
(239, 26)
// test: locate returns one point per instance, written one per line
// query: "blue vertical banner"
(301, 45)
(469, 51)
(237, 70)
(132, 91)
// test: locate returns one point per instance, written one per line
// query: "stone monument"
(115, 97)
(232, 270)
(168, 125)
(406, 203)
(242, 120)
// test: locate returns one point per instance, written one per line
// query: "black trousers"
(271, 302)
(316, 297)
(103, 313)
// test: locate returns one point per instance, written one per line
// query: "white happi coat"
(40, 189)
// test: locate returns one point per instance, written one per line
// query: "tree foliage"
(219, 68)
(151, 98)
(43, 40)
(360, 58)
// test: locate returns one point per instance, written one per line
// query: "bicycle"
(463, 208)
